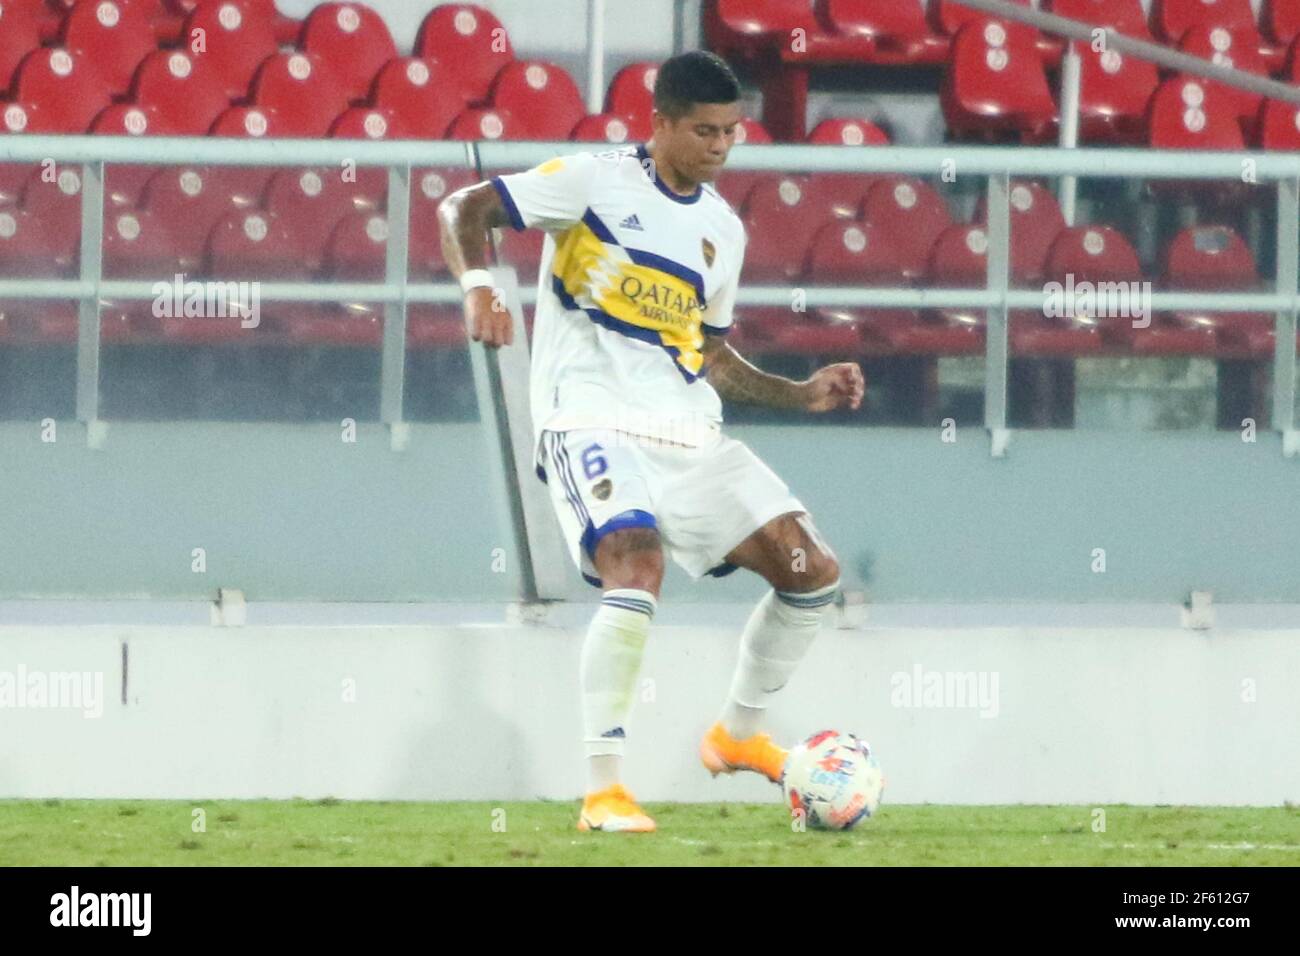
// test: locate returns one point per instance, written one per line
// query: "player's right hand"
(488, 319)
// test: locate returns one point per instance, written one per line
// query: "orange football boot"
(722, 753)
(613, 810)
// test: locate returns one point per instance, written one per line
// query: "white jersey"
(633, 276)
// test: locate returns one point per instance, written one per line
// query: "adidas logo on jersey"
(631, 222)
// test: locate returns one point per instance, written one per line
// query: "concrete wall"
(292, 513)
(1073, 715)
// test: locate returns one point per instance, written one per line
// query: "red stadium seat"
(848, 132)
(356, 252)
(1279, 125)
(248, 246)
(183, 89)
(353, 39)
(483, 124)
(1171, 19)
(363, 122)
(781, 218)
(63, 91)
(287, 29)
(248, 122)
(845, 252)
(914, 214)
(113, 36)
(31, 247)
(602, 128)
(53, 195)
(470, 42)
(1215, 259)
(1084, 254)
(1114, 91)
(1280, 20)
(14, 118)
(1186, 113)
(302, 89)
(898, 30)
(312, 202)
(631, 93)
(137, 245)
(187, 202)
(1093, 254)
(542, 98)
(1125, 16)
(742, 27)
(372, 124)
(842, 194)
(124, 182)
(245, 183)
(958, 260)
(1232, 48)
(132, 119)
(996, 85)
(949, 18)
(836, 195)
(20, 33)
(236, 40)
(760, 32)
(1036, 221)
(415, 90)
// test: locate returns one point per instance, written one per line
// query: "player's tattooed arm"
(465, 218)
(736, 380)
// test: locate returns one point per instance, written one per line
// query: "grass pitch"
(344, 833)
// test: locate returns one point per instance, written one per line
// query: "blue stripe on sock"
(810, 599)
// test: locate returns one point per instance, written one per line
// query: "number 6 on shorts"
(593, 464)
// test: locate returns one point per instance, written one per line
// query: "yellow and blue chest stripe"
(634, 292)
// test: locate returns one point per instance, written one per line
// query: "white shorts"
(704, 501)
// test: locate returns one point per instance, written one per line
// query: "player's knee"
(631, 558)
(812, 564)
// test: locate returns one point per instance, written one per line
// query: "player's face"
(697, 144)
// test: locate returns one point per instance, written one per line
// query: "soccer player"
(639, 272)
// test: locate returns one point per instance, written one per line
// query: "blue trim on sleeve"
(635, 518)
(714, 330)
(516, 220)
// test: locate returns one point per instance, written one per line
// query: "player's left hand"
(835, 386)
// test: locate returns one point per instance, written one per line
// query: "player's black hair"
(697, 76)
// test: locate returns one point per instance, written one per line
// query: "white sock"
(611, 660)
(774, 641)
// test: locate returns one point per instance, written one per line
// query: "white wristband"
(476, 279)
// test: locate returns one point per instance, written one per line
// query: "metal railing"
(998, 166)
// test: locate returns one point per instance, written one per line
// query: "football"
(832, 779)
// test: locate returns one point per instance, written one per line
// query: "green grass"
(343, 833)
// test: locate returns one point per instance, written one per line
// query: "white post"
(1069, 126)
(595, 55)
